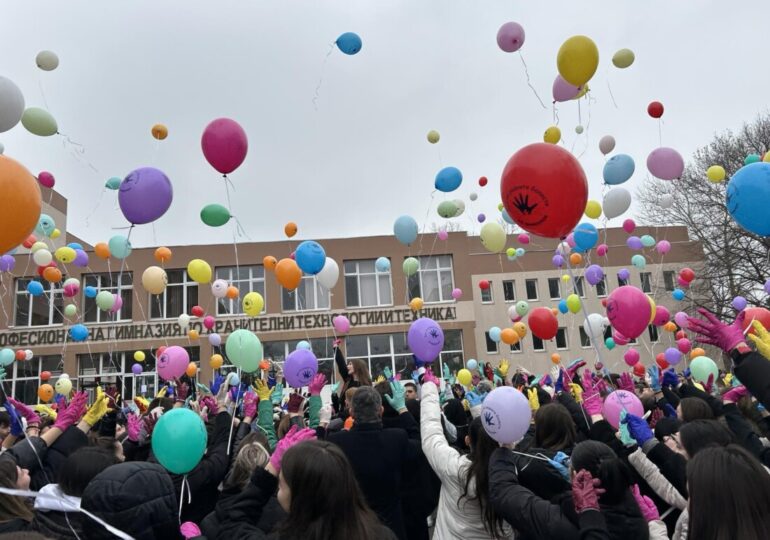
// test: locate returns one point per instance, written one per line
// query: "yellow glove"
(98, 408)
(263, 391)
(379, 379)
(45, 410)
(728, 380)
(577, 392)
(162, 392)
(503, 368)
(534, 402)
(699, 386)
(142, 403)
(761, 339)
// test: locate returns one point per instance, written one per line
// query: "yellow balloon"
(65, 255)
(199, 270)
(216, 361)
(56, 233)
(154, 280)
(573, 303)
(193, 334)
(565, 278)
(583, 91)
(464, 377)
(493, 237)
(139, 356)
(520, 328)
(37, 246)
(766, 159)
(500, 207)
(433, 136)
(716, 173)
(552, 135)
(577, 60)
(623, 58)
(652, 308)
(63, 386)
(253, 303)
(416, 303)
(593, 209)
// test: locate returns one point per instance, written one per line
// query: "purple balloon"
(594, 274)
(215, 340)
(81, 258)
(562, 90)
(136, 369)
(482, 218)
(506, 415)
(673, 356)
(300, 368)
(7, 262)
(663, 247)
(510, 37)
(624, 274)
(117, 304)
(739, 303)
(665, 163)
(145, 195)
(634, 242)
(767, 286)
(558, 261)
(425, 339)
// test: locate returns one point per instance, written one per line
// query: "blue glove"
(216, 383)
(17, 428)
(654, 373)
(560, 462)
(670, 378)
(416, 377)
(388, 374)
(277, 394)
(397, 401)
(687, 373)
(169, 391)
(474, 398)
(669, 411)
(560, 382)
(638, 428)
(546, 380)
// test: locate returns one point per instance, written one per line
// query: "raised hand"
(626, 382)
(761, 338)
(654, 372)
(98, 408)
(714, 332)
(250, 400)
(585, 491)
(397, 400)
(32, 418)
(428, 376)
(295, 402)
(133, 426)
(293, 437)
(648, 508)
(638, 428)
(69, 415)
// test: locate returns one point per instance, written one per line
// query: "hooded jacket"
(58, 517)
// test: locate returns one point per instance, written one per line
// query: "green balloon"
(411, 266)
(215, 215)
(702, 367)
(751, 158)
(70, 310)
(179, 440)
(522, 308)
(120, 247)
(447, 209)
(113, 183)
(244, 350)
(648, 241)
(39, 122)
(105, 300)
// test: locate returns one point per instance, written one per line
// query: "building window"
(277, 351)
(646, 278)
(652, 330)
(607, 332)
(622, 282)
(434, 281)
(26, 376)
(491, 344)
(516, 347)
(247, 279)
(537, 343)
(580, 286)
(366, 286)
(531, 289)
(180, 296)
(112, 283)
(669, 280)
(308, 296)
(585, 341)
(486, 295)
(601, 288)
(509, 290)
(561, 339)
(553, 288)
(43, 310)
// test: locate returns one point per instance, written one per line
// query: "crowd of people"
(409, 460)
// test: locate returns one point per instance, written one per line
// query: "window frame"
(489, 341)
(557, 281)
(648, 276)
(537, 289)
(651, 328)
(113, 289)
(584, 343)
(162, 298)
(34, 379)
(518, 347)
(240, 284)
(534, 346)
(51, 292)
(490, 293)
(672, 275)
(603, 284)
(579, 285)
(562, 330)
(357, 274)
(512, 283)
(422, 259)
(295, 297)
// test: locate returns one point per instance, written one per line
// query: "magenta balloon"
(681, 319)
(300, 368)
(173, 362)
(208, 322)
(523, 238)
(117, 304)
(665, 163)
(663, 247)
(506, 415)
(570, 240)
(629, 225)
(631, 357)
(662, 316)
(443, 235)
(683, 345)
(341, 324)
(224, 144)
(619, 338)
(425, 339)
(673, 356)
(46, 179)
(81, 258)
(618, 401)
(601, 250)
(562, 90)
(629, 310)
(145, 195)
(510, 37)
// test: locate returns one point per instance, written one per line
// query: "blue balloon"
(45, 225)
(520, 252)
(310, 257)
(494, 334)
(618, 169)
(586, 236)
(349, 43)
(382, 264)
(75, 245)
(563, 306)
(120, 247)
(79, 332)
(678, 294)
(304, 345)
(91, 292)
(405, 229)
(448, 179)
(506, 217)
(748, 198)
(35, 288)
(472, 364)
(7, 356)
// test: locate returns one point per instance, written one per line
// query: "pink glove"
(592, 401)
(317, 384)
(293, 437)
(428, 376)
(626, 382)
(734, 394)
(71, 414)
(181, 392)
(709, 384)
(133, 427)
(188, 529)
(295, 402)
(585, 491)
(149, 423)
(30, 415)
(572, 370)
(714, 332)
(250, 401)
(210, 403)
(648, 508)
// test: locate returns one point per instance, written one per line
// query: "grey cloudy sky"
(351, 167)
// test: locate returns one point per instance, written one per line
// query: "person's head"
(284, 425)
(366, 405)
(383, 388)
(729, 495)
(692, 408)
(5, 424)
(410, 390)
(602, 462)
(251, 455)
(360, 371)
(165, 403)
(458, 391)
(648, 400)
(699, 434)
(554, 427)
(484, 387)
(82, 466)
(109, 443)
(316, 510)
(13, 477)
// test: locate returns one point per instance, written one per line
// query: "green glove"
(397, 401)
(388, 374)
(277, 394)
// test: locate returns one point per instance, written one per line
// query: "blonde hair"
(250, 457)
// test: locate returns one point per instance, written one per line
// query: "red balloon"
(197, 311)
(544, 190)
(45, 375)
(639, 370)
(20, 355)
(31, 239)
(483, 181)
(687, 274)
(655, 109)
(661, 361)
(543, 323)
(760, 314)
(483, 284)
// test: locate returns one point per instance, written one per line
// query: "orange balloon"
(102, 250)
(290, 229)
(670, 326)
(269, 261)
(555, 311)
(232, 292)
(576, 259)
(192, 369)
(162, 254)
(45, 392)
(20, 203)
(52, 274)
(159, 131)
(520, 328)
(288, 274)
(264, 365)
(509, 336)
(216, 361)
(192, 334)
(556, 357)
(696, 352)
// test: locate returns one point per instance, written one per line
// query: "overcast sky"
(361, 159)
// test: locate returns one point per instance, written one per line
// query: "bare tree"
(736, 262)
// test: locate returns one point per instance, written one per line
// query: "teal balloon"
(648, 241)
(105, 300)
(179, 440)
(304, 345)
(678, 294)
(244, 350)
(609, 343)
(507, 218)
(751, 158)
(113, 183)
(39, 122)
(349, 43)
(45, 225)
(639, 261)
(215, 215)
(702, 368)
(120, 247)
(447, 209)
(520, 252)
(618, 169)
(7, 356)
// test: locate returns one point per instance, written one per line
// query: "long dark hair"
(694, 408)
(554, 427)
(482, 446)
(602, 462)
(326, 501)
(699, 434)
(729, 495)
(11, 506)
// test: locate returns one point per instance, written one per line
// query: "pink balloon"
(663, 247)
(683, 345)
(682, 282)
(510, 37)
(618, 401)
(71, 289)
(341, 324)
(224, 144)
(631, 357)
(562, 90)
(208, 322)
(117, 304)
(619, 338)
(46, 179)
(601, 250)
(172, 362)
(665, 163)
(662, 316)
(629, 225)
(443, 235)
(457, 293)
(681, 319)
(570, 240)
(629, 311)
(523, 238)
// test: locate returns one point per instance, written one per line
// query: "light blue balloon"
(7, 356)
(507, 217)
(75, 245)
(638, 261)
(648, 241)
(349, 43)
(113, 183)
(35, 288)
(405, 229)
(90, 292)
(618, 169)
(472, 364)
(563, 306)
(520, 252)
(448, 179)
(678, 294)
(310, 257)
(233, 379)
(79, 332)
(45, 225)
(304, 345)
(120, 247)
(494, 334)
(586, 236)
(748, 198)
(382, 264)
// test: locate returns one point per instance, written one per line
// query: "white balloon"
(616, 202)
(594, 325)
(28, 355)
(183, 320)
(2, 148)
(563, 248)
(460, 207)
(512, 312)
(666, 201)
(472, 197)
(607, 144)
(329, 274)
(219, 288)
(42, 257)
(11, 104)
(47, 60)
(64, 376)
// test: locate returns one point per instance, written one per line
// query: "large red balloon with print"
(544, 190)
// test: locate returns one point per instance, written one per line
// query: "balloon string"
(612, 97)
(98, 201)
(317, 92)
(185, 484)
(660, 132)
(235, 406)
(529, 82)
(228, 182)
